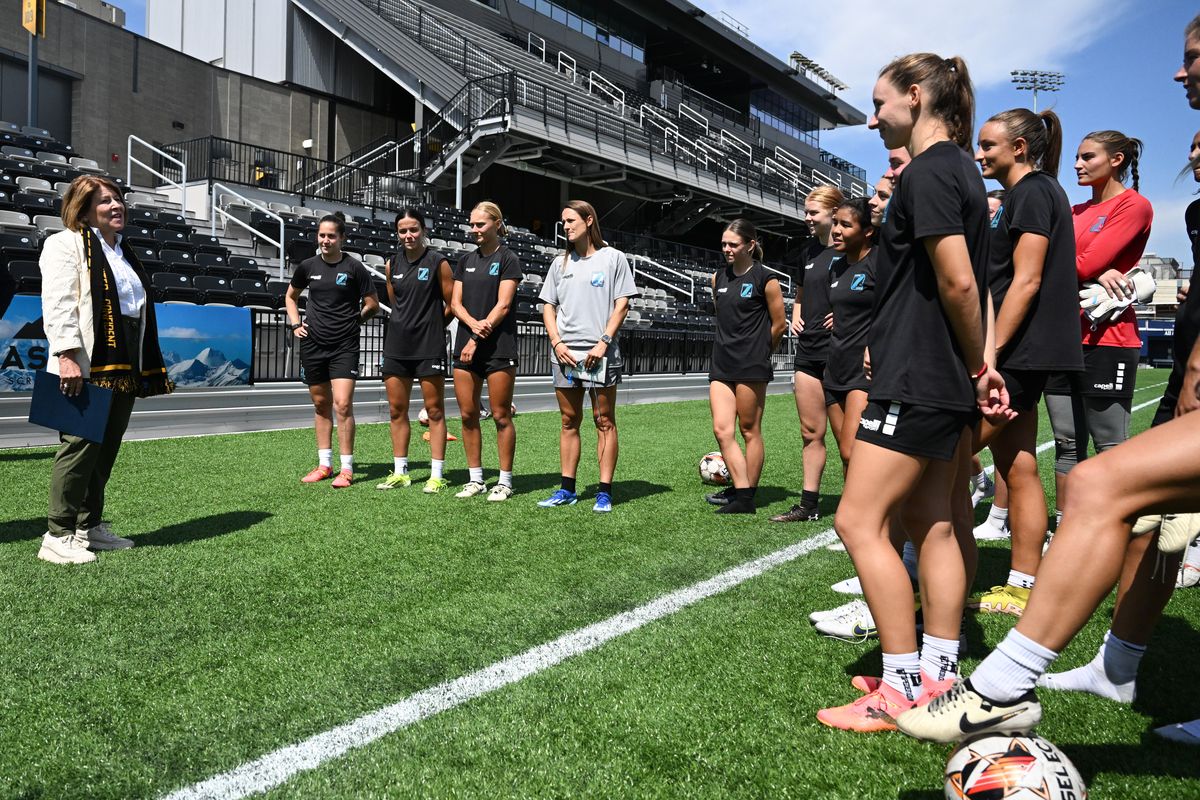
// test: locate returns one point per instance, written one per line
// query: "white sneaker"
(848, 586)
(853, 607)
(500, 493)
(983, 490)
(101, 538)
(69, 549)
(1189, 570)
(856, 626)
(988, 532)
(472, 488)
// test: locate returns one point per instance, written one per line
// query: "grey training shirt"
(586, 291)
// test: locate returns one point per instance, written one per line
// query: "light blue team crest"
(1098, 224)
(342, 278)
(598, 279)
(494, 269)
(747, 290)
(423, 273)
(996, 216)
(858, 282)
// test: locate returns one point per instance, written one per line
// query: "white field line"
(275, 768)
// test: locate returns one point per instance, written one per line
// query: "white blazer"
(67, 300)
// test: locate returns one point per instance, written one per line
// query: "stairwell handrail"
(728, 138)
(342, 168)
(130, 160)
(786, 277)
(608, 88)
(226, 217)
(541, 44)
(694, 116)
(635, 258)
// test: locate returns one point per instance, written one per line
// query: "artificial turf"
(255, 612)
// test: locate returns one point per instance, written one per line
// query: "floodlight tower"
(1037, 80)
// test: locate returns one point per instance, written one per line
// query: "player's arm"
(775, 308)
(797, 313)
(446, 279)
(1029, 262)
(504, 302)
(459, 310)
(1189, 393)
(291, 302)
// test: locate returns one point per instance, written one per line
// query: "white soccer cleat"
(963, 713)
(983, 490)
(848, 586)
(1189, 570)
(853, 607)
(69, 549)
(855, 626)
(988, 532)
(471, 489)
(499, 493)
(1178, 531)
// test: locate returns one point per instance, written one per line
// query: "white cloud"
(7, 329)
(853, 39)
(180, 333)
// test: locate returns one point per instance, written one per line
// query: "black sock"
(605, 487)
(745, 495)
(568, 484)
(753, 491)
(808, 498)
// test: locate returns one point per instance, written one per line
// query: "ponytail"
(1115, 142)
(947, 85)
(1042, 134)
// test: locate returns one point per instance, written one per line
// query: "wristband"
(296, 325)
(474, 337)
(982, 371)
(554, 345)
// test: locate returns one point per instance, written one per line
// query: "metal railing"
(131, 161)
(235, 163)
(388, 150)
(482, 99)
(690, 292)
(215, 209)
(598, 84)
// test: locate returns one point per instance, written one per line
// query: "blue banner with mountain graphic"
(202, 345)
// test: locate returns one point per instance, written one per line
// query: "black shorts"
(487, 366)
(320, 364)
(809, 367)
(414, 367)
(921, 431)
(839, 395)
(1107, 372)
(749, 375)
(1025, 387)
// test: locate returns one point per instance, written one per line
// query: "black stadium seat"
(278, 289)
(171, 256)
(252, 293)
(27, 275)
(17, 247)
(176, 239)
(214, 290)
(173, 286)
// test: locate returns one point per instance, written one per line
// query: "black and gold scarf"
(111, 367)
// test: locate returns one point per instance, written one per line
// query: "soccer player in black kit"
(341, 296)
(750, 322)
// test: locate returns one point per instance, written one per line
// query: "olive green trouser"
(81, 468)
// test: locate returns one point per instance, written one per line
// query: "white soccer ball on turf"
(713, 470)
(423, 417)
(1000, 767)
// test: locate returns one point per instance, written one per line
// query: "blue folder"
(85, 415)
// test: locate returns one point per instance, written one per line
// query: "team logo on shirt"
(858, 282)
(1098, 224)
(598, 279)
(747, 290)
(342, 278)
(494, 269)
(423, 274)
(997, 215)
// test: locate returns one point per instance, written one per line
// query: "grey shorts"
(613, 368)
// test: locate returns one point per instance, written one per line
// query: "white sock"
(1020, 579)
(400, 465)
(1012, 668)
(1112, 673)
(998, 517)
(437, 465)
(939, 657)
(902, 672)
(325, 458)
(909, 557)
(979, 480)
(506, 478)
(1057, 520)
(348, 462)
(476, 474)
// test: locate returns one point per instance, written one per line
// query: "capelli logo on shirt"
(810, 265)
(1098, 224)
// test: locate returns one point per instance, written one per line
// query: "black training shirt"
(480, 277)
(742, 347)
(813, 342)
(1187, 319)
(335, 293)
(1045, 339)
(417, 326)
(852, 299)
(915, 356)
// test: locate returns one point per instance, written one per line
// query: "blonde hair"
(77, 202)
(830, 197)
(493, 211)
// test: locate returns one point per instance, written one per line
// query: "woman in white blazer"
(99, 321)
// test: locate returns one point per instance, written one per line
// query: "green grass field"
(256, 612)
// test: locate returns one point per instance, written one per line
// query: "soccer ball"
(713, 470)
(1012, 768)
(423, 417)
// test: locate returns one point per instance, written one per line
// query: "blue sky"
(135, 14)
(1118, 57)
